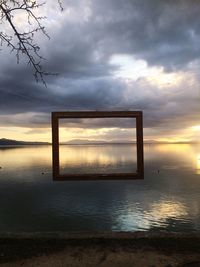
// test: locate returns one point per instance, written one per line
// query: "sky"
(109, 55)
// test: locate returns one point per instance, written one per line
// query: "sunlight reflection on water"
(198, 164)
(97, 158)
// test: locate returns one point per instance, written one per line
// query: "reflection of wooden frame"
(97, 114)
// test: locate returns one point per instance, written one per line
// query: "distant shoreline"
(132, 143)
(14, 143)
(94, 144)
(9, 142)
(22, 145)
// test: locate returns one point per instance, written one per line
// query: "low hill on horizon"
(87, 141)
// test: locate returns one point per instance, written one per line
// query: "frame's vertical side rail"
(55, 144)
(140, 152)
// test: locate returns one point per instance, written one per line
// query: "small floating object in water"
(158, 171)
(42, 173)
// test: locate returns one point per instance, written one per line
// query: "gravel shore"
(139, 249)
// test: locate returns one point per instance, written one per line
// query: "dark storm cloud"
(160, 107)
(98, 123)
(77, 94)
(164, 33)
(30, 97)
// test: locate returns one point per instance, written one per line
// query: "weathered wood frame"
(139, 174)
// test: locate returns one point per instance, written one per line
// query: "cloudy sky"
(109, 55)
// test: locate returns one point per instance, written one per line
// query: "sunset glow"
(67, 134)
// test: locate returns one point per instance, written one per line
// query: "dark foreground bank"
(106, 249)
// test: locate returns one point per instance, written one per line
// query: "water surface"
(167, 199)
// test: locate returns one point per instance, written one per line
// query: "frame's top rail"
(96, 114)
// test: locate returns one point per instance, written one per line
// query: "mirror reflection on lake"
(105, 158)
(167, 199)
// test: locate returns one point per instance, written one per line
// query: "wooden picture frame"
(139, 174)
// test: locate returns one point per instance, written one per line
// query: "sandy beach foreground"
(139, 249)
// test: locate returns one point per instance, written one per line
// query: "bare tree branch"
(25, 44)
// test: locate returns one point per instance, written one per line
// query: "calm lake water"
(168, 199)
